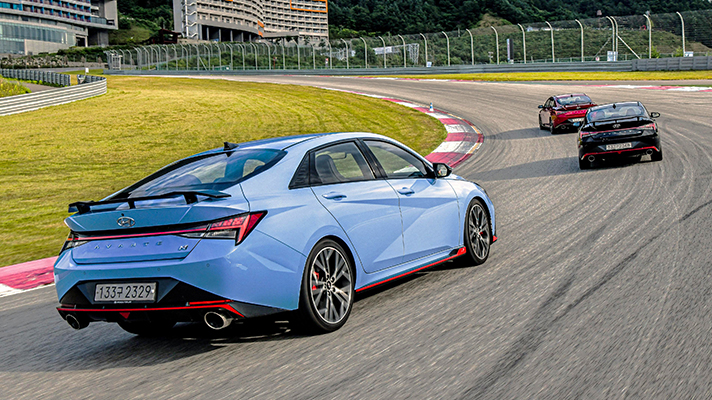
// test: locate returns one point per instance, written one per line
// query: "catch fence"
(623, 38)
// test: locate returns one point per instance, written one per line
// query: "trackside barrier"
(455, 69)
(34, 101)
(673, 64)
(37, 75)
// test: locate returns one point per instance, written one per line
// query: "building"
(36, 26)
(246, 20)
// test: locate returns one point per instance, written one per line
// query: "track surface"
(599, 286)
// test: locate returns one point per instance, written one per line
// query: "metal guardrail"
(673, 64)
(37, 75)
(34, 101)
(455, 69)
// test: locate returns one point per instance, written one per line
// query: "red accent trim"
(125, 314)
(494, 239)
(649, 126)
(195, 303)
(460, 252)
(119, 310)
(620, 151)
(90, 238)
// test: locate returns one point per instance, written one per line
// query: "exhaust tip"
(591, 158)
(76, 322)
(649, 152)
(217, 321)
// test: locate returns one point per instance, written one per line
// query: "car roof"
(627, 103)
(557, 97)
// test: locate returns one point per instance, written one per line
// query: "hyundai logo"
(616, 126)
(126, 222)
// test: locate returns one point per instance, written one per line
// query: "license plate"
(576, 119)
(619, 146)
(125, 292)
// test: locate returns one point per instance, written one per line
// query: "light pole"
(284, 64)
(299, 59)
(524, 42)
(384, 52)
(404, 56)
(426, 48)
(447, 40)
(580, 25)
(650, 36)
(682, 20)
(472, 47)
(330, 55)
(551, 28)
(347, 53)
(496, 38)
(314, 55)
(365, 52)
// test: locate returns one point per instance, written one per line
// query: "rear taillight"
(73, 240)
(236, 228)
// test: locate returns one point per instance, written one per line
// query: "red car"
(564, 112)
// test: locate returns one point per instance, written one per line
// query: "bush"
(9, 88)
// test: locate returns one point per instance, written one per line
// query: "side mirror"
(442, 170)
(541, 106)
(654, 115)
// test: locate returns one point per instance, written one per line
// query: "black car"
(618, 130)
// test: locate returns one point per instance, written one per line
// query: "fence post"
(524, 42)
(404, 56)
(347, 53)
(447, 40)
(650, 36)
(365, 52)
(384, 52)
(682, 21)
(582, 56)
(472, 47)
(426, 48)
(496, 38)
(551, 28)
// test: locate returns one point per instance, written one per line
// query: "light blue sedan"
(291, 225)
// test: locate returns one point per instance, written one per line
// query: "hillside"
(140, 19)
(413, 16)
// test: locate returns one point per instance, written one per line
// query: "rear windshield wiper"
(191, 196)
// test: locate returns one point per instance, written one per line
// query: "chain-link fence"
(597, 39)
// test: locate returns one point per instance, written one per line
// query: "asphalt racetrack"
(599, 286)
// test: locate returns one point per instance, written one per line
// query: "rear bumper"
(639, 147)
(260, 271)
(568, 123)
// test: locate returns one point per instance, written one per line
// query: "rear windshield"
(620, 111)
(573, 100)
(213, 172)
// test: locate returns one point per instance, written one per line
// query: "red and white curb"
(462, 140)
(21, 277)
(673, 88)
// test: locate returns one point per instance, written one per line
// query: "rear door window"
(339, 163)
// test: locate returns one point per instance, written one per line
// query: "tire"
(147, 328)
(329, 278)
(658, 156)
(541, 126)
(478, 232)
(552, 129)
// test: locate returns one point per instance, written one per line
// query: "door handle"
(333, 196)
(406, 191)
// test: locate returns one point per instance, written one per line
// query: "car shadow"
(528, 133)
(534, 169)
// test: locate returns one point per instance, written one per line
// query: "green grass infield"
(89, 149)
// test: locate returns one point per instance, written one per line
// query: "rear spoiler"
(191, 196)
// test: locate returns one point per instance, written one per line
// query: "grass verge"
(89, 149)
(572, 76)
(11, 88)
